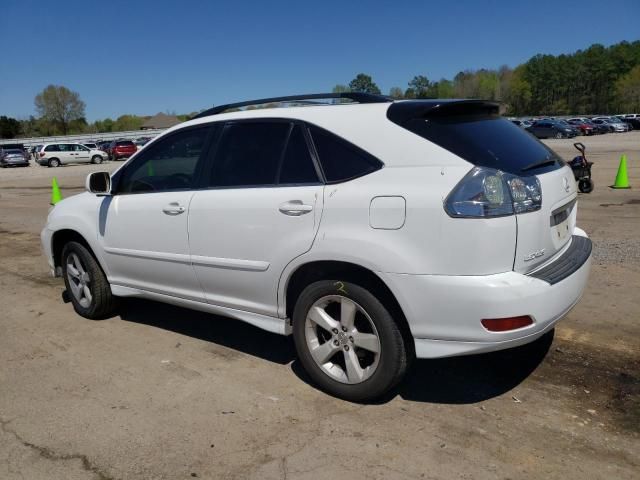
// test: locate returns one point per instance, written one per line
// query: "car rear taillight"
(506, 324)
(42, 154)
(486, 192)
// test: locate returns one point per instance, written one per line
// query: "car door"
(81, 154)
(143, 226)
(65, 153)
(260, 209)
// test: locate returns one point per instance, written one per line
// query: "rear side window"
(249, 154)
(52, 148)
(297, 164)
(488, 141)
(340, 160)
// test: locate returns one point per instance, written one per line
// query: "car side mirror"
(98, 183)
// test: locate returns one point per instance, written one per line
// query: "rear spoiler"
(403, 111)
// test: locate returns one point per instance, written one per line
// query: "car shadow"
(216, 329)
(463, 380)
(454, 380)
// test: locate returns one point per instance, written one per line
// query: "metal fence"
(84, 138)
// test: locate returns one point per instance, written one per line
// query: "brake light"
(506, 324)
(486, 192)
(42, 154)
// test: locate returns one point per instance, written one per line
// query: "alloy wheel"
(342, 339)
(79, 280)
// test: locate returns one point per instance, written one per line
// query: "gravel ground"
(161, 392)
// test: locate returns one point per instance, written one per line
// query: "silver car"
(13, 158)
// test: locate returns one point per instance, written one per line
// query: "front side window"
(249, 154)
(340, 160)
(167, 165)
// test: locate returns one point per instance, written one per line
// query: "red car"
(121, 149)
(585, 128)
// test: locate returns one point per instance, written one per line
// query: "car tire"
(96, 159)
(585, 185)
(340, 355)
(558, 135)
(86, 283)
(54, 162)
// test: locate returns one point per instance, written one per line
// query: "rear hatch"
(125, 147)
(474, 131)
(544, 233)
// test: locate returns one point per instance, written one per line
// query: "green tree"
(419, 87)
(340, 89)
(60, 106)
(628, 91)
(364, 83)
(9, 127)
(396, 92)
(127, 122)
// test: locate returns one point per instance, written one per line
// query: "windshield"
(488, 141)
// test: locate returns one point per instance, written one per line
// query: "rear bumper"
(444, 312)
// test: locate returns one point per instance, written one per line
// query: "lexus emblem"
(565, 184)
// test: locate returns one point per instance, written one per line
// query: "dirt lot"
(165, 393)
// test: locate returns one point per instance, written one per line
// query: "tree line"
(61, 111)
(597, 80)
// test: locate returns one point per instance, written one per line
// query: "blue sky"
(147, 56)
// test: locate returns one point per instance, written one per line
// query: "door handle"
(174, 208)
(294, 208)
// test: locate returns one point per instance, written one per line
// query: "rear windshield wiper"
(543, 163)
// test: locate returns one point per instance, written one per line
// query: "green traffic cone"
(56, 196)
(622, 180)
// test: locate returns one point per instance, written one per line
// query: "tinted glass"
(341, 160)
(52, 148)
(249, 154)
(488, 141)
(169, 164)
(297, 165)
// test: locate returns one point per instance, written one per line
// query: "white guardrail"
(83, 138)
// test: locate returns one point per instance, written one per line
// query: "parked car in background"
(13, 157)
(121, 149)
(104, 145)
(603, 125)
(566, 124)
(56, 154)
(521, 123)
(142, 141)
(632, 119)
(584, 127)
(615, 124)
(551, 129)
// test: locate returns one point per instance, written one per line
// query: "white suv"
(373, 231)
(56, 154)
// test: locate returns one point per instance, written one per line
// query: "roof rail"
(358, 97)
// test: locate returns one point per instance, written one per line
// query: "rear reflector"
(505, 324)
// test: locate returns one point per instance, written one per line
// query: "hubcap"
(79, 280)
(342, 339)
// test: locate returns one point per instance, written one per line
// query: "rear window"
(126, 143)
(488, 141)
